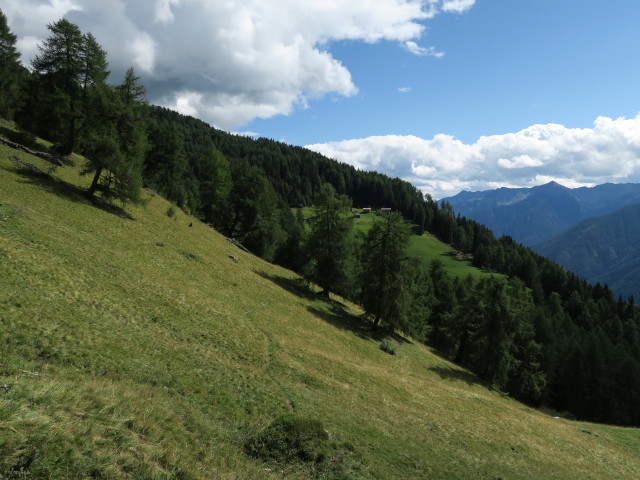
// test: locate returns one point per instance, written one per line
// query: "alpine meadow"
(179, 302)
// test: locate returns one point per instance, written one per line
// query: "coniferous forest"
(533, 330)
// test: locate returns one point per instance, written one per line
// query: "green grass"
(132, 346)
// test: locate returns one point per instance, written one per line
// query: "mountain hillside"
(603, 249)
(531, 215)
(138, 343)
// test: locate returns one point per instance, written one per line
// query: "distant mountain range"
(532, 215)
(593, 232)
(602, 249)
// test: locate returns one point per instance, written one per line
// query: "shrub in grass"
(388, 346)
(290, 439)
(171, 211)
(189, 255)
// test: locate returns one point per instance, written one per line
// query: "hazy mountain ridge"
(532, 215)
(601, 249)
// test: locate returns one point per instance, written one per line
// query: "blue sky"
(507, 64)
(447, 94)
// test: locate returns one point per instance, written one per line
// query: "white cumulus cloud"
(443, 165)
(457, 6)
(413, 47)
(229, 62)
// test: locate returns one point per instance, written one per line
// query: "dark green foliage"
(12, 74)
(290, 439)
(384, 280)
(555, 355)
(70, 103)
(291, 253)
(116, 141)
(165, 166)
(59, 73)
(297, 174)
(215, 188)
(327, 244)
(253, 216)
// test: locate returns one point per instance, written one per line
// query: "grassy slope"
(135, 348)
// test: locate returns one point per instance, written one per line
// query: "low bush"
(388, 346)
(301, 446)
(290, 439)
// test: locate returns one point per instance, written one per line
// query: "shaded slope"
(132, 346)
(603, 249)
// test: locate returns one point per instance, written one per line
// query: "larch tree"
(12, 73)
(215, 187)
(253, 216)
(384, 280)
(328, 240)
(117, 153)
(59, 71)
(165, 164)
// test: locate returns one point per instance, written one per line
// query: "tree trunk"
(94, 184)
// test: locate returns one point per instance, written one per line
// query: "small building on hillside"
(385, 210)
(366, 210)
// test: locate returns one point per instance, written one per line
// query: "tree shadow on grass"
(335, 312)
(450, 373)
(66, 190)
(338, 316)
(23, 138)
(343, 320)
(297, 286)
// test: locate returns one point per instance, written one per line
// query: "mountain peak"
(530, 215)
(553, 184)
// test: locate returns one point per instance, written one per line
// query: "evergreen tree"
(291, 253)
(116, 152)
(384, 279)
(12, 73)
(215, 188)
(59, 72)
(253, 216)
(327, 244)
(94, 67)
(165, 165)
(502, 308)
(442, 312)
